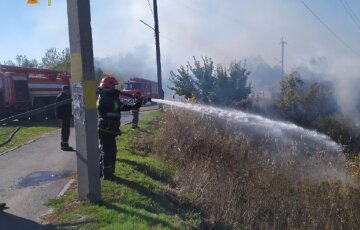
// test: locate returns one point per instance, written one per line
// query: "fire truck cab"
(23, 89)
(143, 86)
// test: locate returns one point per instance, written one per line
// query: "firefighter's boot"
(65, 147)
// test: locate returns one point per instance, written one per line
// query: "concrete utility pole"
(283, 43)
(84, 99)
(157, 42)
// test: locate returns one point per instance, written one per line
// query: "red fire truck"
(22, 89)
(143, 86)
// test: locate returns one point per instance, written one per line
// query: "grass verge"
(141, 196)
(27, 132)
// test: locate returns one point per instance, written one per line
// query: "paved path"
(33, 174)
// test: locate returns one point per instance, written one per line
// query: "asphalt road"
(33, 174)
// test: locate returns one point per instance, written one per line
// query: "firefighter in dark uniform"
(109, 109)
(64, 114)
(135, 112)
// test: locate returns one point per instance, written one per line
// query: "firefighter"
(135, 112)
(64, 114)
(109, 107)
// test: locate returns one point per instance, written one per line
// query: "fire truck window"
(21, 90)
(134, 85)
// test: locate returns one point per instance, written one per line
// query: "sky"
(224, 30)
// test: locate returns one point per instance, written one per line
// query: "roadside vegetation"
(143, 195)
(247, 182)
(308, 103)
(182, 170)
(27, 132)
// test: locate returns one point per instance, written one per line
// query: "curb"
(71, 181)
(61, 193)
(66, 187)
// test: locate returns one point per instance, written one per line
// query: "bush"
(257, 182)
(302, 102)
(340, 130)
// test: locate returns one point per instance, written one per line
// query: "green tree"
(57, 60)
(212, 85)
(22, 61)
(194, 80)
(9, 62)
(232, 88)
(183, 83)
(305, 103)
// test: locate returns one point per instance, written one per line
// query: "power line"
(328, 28)
(150, 7)
(350, 13)
(353, 13)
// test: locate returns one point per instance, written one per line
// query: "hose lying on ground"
(10, 137)
(35, 111)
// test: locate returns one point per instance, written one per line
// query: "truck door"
(21, 89)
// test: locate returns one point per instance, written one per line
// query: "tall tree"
(22, 61)
(302, 102)
(57, 60)
(212, 85)
(233, 87)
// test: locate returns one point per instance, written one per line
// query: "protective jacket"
(64, 111)
(109, 109)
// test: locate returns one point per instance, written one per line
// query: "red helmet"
(108, 81)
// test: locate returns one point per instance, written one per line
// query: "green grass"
(27, 132)
(149, 107)
(139, 198)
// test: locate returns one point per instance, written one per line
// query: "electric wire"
(351, 10)
(329, 29)
(152, 11)
(350, 13)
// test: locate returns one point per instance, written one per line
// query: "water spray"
(286, 133)
(260, 123)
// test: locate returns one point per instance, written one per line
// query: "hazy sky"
(223, 30)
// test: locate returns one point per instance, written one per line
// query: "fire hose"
(34, 111)
(10, 137)
(43, 109)
(27, 114)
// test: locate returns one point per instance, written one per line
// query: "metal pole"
(84, 99)
(157, 43)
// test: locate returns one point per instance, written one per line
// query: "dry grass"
(258, 182)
